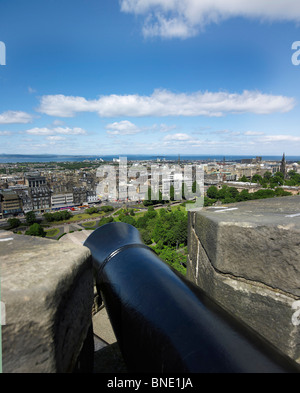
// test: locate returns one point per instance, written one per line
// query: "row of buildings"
(57, 189)
(33, 192)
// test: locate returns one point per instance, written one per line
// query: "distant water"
(14, 158)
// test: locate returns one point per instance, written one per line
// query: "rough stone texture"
(47, 288)
(248, 260)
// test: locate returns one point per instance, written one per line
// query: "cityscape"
(47, 187)
(149, 189)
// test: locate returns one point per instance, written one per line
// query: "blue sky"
(149, 77)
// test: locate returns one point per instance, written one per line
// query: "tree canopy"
(36, 230)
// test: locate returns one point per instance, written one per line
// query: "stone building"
(10, 203)
(79, 195)
(34, 179)
(59, 201)
(40, 198)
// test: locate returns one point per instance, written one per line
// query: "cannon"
(166, 324)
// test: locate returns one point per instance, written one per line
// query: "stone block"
(247, 258)
(47, 288)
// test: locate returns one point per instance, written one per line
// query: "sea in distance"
(21, 158)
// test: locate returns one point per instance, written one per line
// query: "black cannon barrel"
(163, 322)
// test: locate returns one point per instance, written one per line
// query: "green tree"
(277, 180)
(281, 192)
(244, 195)
(212, 192)
(92, 210)
(30, 218)
(262, 194)
(107, 208)
(209, 201)
(128, 220)
(105, 220)
(172, 193)
(141, 222)
(14, 222)
(146, 237)
(36, 230)
(294, 177)
(233, 192)
(256, 178)
(151, 213)
(223, 192)
(244, 179)
(58, 216)
(267, 175)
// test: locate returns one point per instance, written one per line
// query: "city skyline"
(149, 77)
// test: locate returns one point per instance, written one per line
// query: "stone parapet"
(246, 256)
(47, 289)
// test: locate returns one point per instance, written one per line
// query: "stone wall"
(246, 256)
(47, 288)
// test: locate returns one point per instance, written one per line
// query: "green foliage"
(171, 228)
(267, 175)
(36, 230)
(52, 232)
(148, 202)
(244, 195)
(277, 180)
(61, 215)
(212, 192)
(107, 209)
(173, 258)
(281, 192)
(244, 179)
(127, 219)
(30, 218)
(231, 194)
(208, 201)
(151, 213)
(76, 165)
(294, 179)
(146, 237)
(92, 210)
(14, 222)
(167, 228)
(141, 222)
(89, 224)
(105, 220)
(256, 179)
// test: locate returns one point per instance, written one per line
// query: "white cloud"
(165, 128)
(126, 127)
(69, 131)
(280, 138)
(123, 127)
(253, 133)
(15, 117)
(165, 103)
(31, 90)
(58, 123)
(177, 137)
(57, 130)
(184, 18)
(55, 138)
(4, 133)
(65, 106)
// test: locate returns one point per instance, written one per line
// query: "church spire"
(283, 166)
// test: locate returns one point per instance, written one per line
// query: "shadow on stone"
(109, 360)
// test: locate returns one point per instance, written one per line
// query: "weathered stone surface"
(47, 288)
(259, 241)
(248, 260)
